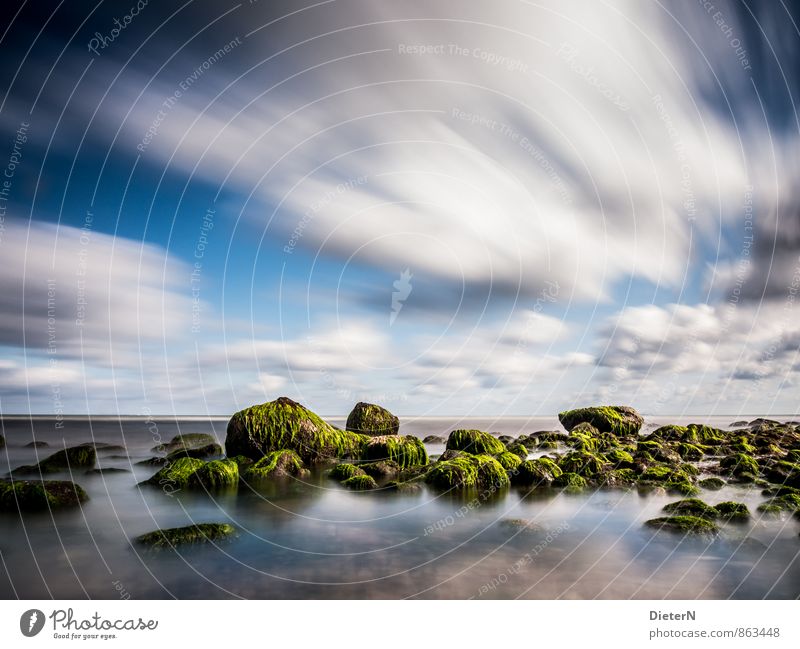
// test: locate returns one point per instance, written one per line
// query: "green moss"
(784, 473)
(658, 473)
(787, 502)
(509, 461)
(68, 459)
(702, 434)
(467, 471)
(670, 433)
(360, 483)
(343, 471)
(190, 535)
(684, 525)
(407, 451)
(277, 464)
(583, 442)
(242, 462)
(176, 474)
(619, 458)
(369, 419)
(692, 452)
(739, 463)
(712, 484)
(535, 472)
(520, 450)
(474, 441)
(620, 420)
(35, 495)
(732, 511)
(585, 464)
(691, 507)
(684, 487)
(284, 424)
(215, 475)
(617, 478)
(571, 481)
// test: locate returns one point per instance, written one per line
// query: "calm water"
(316, 540)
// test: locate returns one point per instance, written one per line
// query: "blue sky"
(594, 202)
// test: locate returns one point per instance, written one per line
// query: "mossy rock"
(369, 419)
(403, 487)
(175, 474)
(83, 456)
(691, 452)
(189, 535)
(284, 424)
(693, 525)
(669, 433)
(619, 459)
(185, 441)
(407, 451)
(360, 483)
(681, 486)
(616, 478)
(434, 439)
(702, 434)
(732, 511)
(242, 462)
(520, 450)
(583, 442)
(691, 507)
(739, 463)
(711, 484)
(216, 474)
(784, 473)
(619, 420)
(198, 452)
(278, 464)
(37, 495)
(468, 471)
(381, 470)
(658, 473)
(508, 460)
(571, 481)
(475, 442)
(786, 502)
(343, 471)
(582, 463)
(541, 471)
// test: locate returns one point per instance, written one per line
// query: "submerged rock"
(343, 471)
(35, 495)
(381, 470)
(360, 483)
(407, 451)
(369, 419)
(434, 439)
(216, 474)
(712, 484)
(285, 424)
(189, 535)
(175, 474)
(468, 471)
(684, 525)
(789, 502)
(76, 457)
(475, 442)
(691, 507)
(541, 471)
(732, 511)
(619, 420)
(278, 464)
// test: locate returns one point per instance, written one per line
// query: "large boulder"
(407, 451)
(69, 459)
(285, 424)
(369, 419)
(619, 420)
(474, 441)
(34, 495)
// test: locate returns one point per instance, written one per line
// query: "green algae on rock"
(216, 474)
(520, 450)
(278, 464)
(381, 470)
(541, 471)
(691, 507)
(175, 474)
(508, 460)
(37, 495)
(284, 424)
(189, 535)
(584, 464)
(407, 451)
(693, 525)
(571, 481)
(789, 502)
(343, 471)
(732, 511)
(739, 463)
(619, 420)
(369, 419)
(83, 456)
(360, 483)
(712, 484)
(475, 442)
(466, 471)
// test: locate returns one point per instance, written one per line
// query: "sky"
(447, 207)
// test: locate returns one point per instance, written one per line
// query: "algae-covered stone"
(284, 424)
(35, 495)
(381, 470)
(541, 471)
(68, 459)
(732, 511)
(476, 442)
(712, 484)
(189, 535)
(739, 463)
(508, 460)
(619, 458)
(216, 474)
(175, 474)
(571, 481)
(585, 464)
(407, 451)
(278, 464)
(434, 439)
(620, 420)
(784, 473)
(360, 483)
(520, 450)
(693, 525)
(691, 507)
(788, 502)
(343, 471)
(467, 471)
(369, 419)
